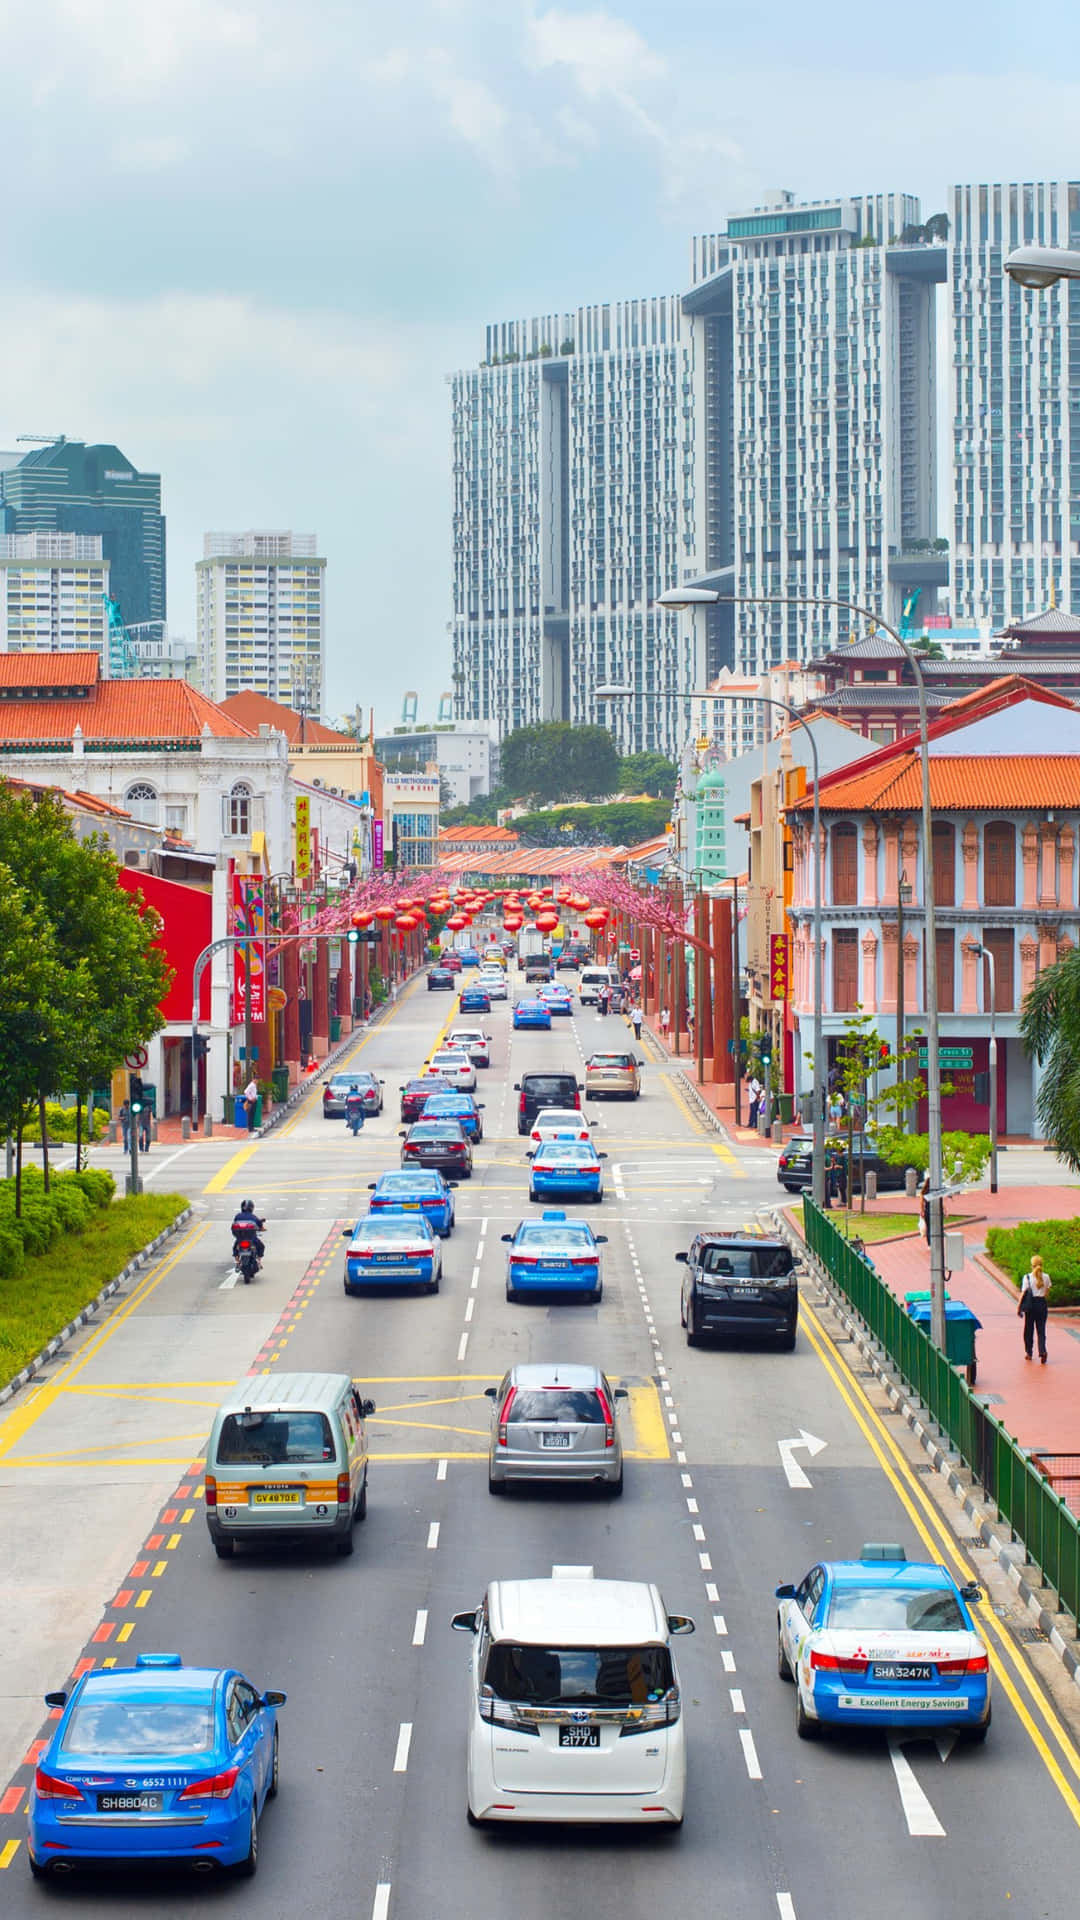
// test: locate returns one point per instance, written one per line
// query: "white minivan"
(574, 1706)
(590, 981)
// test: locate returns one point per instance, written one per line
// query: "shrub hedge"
(67, 1207)
(1059, 1243)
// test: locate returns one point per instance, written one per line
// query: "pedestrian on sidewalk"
(636, 1018)
(755, 1090)
(1033, 1307)
(923, 1191)
(836, 1177)
(251, 1100)
(124, 1117)
(665, 1022)
(145, 1117)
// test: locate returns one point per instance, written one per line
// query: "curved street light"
(1041, 267)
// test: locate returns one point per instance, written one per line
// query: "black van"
(739, 1283)
(536, 1090)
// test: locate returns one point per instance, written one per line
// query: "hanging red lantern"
(385, 915)
(457, 922)
(596, 918)
(547, 922)
(405, 922)
(362, 919)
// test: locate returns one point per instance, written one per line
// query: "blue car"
(422, 1190)
(556, 999)
(155, 1762)
(554, 1255)
(392, 1249)
(883, 1641)
(566, 1167)
(468, 956)
(474, 1000)
(531, 1013)
(455, 1106)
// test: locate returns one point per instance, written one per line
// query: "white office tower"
(813, 346)
(573, 471)
(260, 614)
(1015, 406)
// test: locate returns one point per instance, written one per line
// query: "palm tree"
(1050, 1031)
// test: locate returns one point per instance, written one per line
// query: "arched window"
(845, 869)
(999, 864)
(240, 811)
(141, 802)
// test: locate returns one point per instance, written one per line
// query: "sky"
(247, 240)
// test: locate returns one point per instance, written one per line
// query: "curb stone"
(1002, 1547)
(26, 1374)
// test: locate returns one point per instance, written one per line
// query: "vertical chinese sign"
(303, 836)
(779, 965)
(249, 916)
(377, 845)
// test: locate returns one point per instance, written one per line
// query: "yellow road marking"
(44, 1396)
(144, 1596)
(125, 1633)
(186, 1516)
(220, 1180)
(158, 1569)
(173, 1541)
(8, 1851)
(937, 1540)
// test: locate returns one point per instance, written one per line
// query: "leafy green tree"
(963, 1155)
(647, 773)
(554, 761)
(1050, 1031)
(861, 1057)
(31, 993)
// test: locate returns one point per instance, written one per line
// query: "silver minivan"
(287, 1459)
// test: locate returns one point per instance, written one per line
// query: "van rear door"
(587, 1705)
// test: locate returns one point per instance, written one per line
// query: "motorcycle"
(355, 1121)
(246, 1260)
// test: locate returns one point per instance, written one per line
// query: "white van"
(287, 1457)
(591, 980)
(574, 1706)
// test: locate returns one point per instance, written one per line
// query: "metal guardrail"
(1017, 1483)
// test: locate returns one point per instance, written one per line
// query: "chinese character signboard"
(303, 836)
(377, 845)
(779, 950)
(249, 916)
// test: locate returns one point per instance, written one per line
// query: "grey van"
(287, 1458)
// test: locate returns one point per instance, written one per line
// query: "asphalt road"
(98, 1499)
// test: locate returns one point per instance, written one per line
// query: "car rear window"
(557, 1403)
(436, 1130)
(581, 1676)
(608, 1060)
(547, 1087)
(410, 1183)
(140, 1727)
(746, 1263)
(278, 1438)
(907, 1609)
(564, 1236)
(392, 1226)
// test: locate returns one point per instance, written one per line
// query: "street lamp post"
(903, 899)
(992, 969)
(682, 598)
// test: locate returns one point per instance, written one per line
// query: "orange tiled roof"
(981, 783)
(49, 669)
(116, 710)
(254, 710)
(490, 836)
(532, 861)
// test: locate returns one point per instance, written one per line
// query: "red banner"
(249, 916)
(779, 965)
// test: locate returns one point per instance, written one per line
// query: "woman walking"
(1034, 1302)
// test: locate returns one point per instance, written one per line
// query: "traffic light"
(883, 1052)
(135, 1093)
(765, 1049)
(353, 936)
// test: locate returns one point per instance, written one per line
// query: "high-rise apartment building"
(813, 344)
(69, 487)
(261, 610)
(573, 483)
(1015, 413)
(53, 588)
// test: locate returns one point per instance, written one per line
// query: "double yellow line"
(1010, 1673)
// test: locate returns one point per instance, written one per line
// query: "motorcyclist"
(354, 1109)
(246, 1229)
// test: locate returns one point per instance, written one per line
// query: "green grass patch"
(868, 1226)
(1059, 1243)
(54, 1286)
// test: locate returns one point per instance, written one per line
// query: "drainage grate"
(973, 1543)
(925, 1467)
(1029, 1636)
(889, 1413)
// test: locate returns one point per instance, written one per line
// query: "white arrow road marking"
(944, 1742)
(617, 1183)
(795, 1475)
(923, 1823)
(230, 1280)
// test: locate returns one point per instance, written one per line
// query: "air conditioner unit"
(316, 782)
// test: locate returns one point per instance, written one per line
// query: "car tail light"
(521, 1104)
(577, 1100)
(48, 1788)
(217, 1787)
(413, 1151)
(583, 1260)
(783, 1160)
(979, 1664)
(505, 1415)
(836, 1663)
(344, 1490)
(210, 1491)
(609, 1418)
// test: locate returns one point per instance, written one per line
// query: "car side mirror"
(479, 1106)
(621, 1393)
(680, 1623)
(452, 1183)
(491, 1393)
(273, 1697)
(371, 1186)
(529, 1152)
(56, 1699)
(683, 1257)
(601, 1156)
(367, 1408)
(517, 1086)
(508, 1237)
(972, 1591)
(464, 1622)
(601, 1239)
(401, 1133)
(346, 1233)
(637, 1062)
(786, 1591)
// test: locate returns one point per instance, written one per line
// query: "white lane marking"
(462, 1344)
(691, 1504)
(681, 1459)
(738, 1704)
(401, 1755)
(686, 1479)
(712, 1593)
(419, 1632)
(381, 1905)
(483, 1226)
(469, 1305)
(753, 1764)
(795, 1475)
(719, 1623)
(727, 1661)
(786, 1907)
(440, 1471)
(617, 1183)
(159, 1166)
(230, 1280)
(476, 1276)
(922, 1821)
(699, 1531)
(433, 1534)
(705, 1563)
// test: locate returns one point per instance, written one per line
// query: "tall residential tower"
(261, 617)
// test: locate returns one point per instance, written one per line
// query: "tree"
(647, 773)
(31, 992)
(1050, 1031)
(861, 1056)
(554, 761)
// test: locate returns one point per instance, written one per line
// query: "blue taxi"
(474, 1000)
(556, 998)
(392, 1249)
(566, 1167)
(883, 1641)
(423, 1190)
(155, 1762)
(531, 1013)
(456, 1106)
(554, 1255)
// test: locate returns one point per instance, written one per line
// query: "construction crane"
(41, 439)
(122, 661)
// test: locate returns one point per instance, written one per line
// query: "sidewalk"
(1039, 1405)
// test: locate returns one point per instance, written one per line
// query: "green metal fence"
(1024, 1498)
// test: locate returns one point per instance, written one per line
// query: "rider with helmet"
(354, 1109)
(246, 1229)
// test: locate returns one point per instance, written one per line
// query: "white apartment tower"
(261, 613)
(54, 587)
(1015, 406)
(573, 485)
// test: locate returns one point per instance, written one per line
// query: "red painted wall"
(187, 913)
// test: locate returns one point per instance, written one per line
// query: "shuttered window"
(999, 864)
(845, 870)
(946, 968)
(1000, 941)
(945, 864)
(845, 969)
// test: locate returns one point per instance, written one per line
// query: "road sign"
(949, 1057)
(138, 1057)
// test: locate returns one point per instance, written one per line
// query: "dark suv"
(536, 1090)
(794, 1168)
(739, 1283)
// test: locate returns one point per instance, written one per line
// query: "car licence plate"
(579, 1736)
(277, 1497)
(130, 1802)
(554, 1439)
(739, 1291)
(900, 1670)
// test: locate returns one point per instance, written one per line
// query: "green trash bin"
(785, 1108)
(961, 1326)
(335, 1027)
(279, 1084)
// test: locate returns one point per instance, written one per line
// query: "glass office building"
(69, 487)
